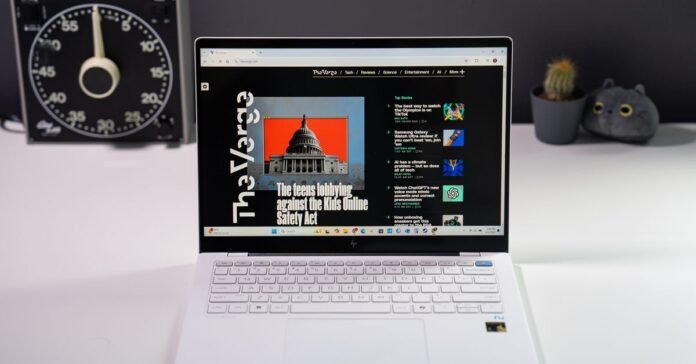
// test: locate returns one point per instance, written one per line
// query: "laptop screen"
(352, 140)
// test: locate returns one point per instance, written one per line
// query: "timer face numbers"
(67, 40)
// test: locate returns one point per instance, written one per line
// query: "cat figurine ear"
(608, 83)
(640, 89)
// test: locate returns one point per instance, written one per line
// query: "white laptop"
(353, 202)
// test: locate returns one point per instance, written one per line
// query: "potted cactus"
(557, 105)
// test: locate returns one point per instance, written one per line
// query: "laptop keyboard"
(354, 286)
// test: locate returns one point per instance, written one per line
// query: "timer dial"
(100, 70)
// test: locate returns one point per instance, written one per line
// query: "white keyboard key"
(402, 308)
(485, 279)
(243, 263)
(404, 279)
(373, 263)
(217, 298)
(337, 270)
(261, 263)
(465, 263)
(335, 263)
(424, 279)
(354, 263)
(266, 280)
(300, 298)
(341, 308)
(287, 279)
(320, 298)
(384, 279)
(473, 297)
(238, 308)
(278, 270)
(463, 279)
(340, 298)
(280, 298)
(330, 288)
(374, 270)
(350, 288)
(412, 270)
(391, 263)
(394, 270)
(478, 270)
(492, 308)
(360, 298)
(259, 298)
(246, 280)
(467, 308)
(250, 288)
(420, 298)
(422, 308)
(305, 280)
(279, 307)
(238, 271)
(217, 308)
(370, 288)
(410, 288)
(428, 263)
(220, 271)
(390, 288)
(355, 270)
(310, 289)
(297, 270)
(442, 298)
(316, 270)
(430, 288)
(290, 289)
(444, 279)
(446, 263)
(270, 289)
(432, 270)
(258, 270)
(449, 288)
(279, 263)
(443, 308)
(298, 263)
(452, 270)
(475, 288)
(225, 289)
(401, 298)
(345, 279)
(317, 263)
(225, 280)
(224, 263)
(258, 307)
(365, 279)
(409, 263)
(325, 279)
(380, 298)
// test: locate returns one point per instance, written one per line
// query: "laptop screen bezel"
(433, 244)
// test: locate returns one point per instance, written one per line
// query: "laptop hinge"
(469, 254)
(237, 254)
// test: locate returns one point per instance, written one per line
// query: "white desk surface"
(97, 246)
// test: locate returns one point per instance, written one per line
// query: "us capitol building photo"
(304, 156)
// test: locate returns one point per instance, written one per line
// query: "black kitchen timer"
(111, 71)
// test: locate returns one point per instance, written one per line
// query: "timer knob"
(99, 75)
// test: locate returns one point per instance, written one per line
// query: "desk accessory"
(557, 105)
(622, 114)
(115, 71)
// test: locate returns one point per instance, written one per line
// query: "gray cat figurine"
(621, 114)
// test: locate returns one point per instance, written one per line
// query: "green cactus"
(560, 80)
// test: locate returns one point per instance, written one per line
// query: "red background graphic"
(331, 132)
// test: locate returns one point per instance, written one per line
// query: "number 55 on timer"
(116, 72)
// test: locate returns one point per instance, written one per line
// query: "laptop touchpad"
(350, 341)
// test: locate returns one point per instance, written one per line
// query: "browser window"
(352, 141)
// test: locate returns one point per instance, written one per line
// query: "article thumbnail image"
(305, 145)
(452, 220)
(308, 140)
(452, 193)
(453, 111)
(452, 167)
(453, 137)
